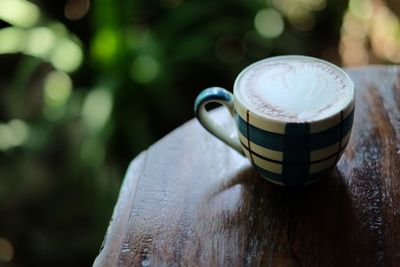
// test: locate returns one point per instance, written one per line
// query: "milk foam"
(294, 89)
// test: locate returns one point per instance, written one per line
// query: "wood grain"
(190, 200)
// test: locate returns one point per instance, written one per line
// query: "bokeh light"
(76, 9)
(6, 137)
(302, 19)
(144, 68)
(20, 13)
(361, 8)
(40, 42)
(269, 23)
(57, 89)
(300, 14)
(6, 250)
(43, 42)
(20, 130)
(105, 46)
(370, 31)
(12, 40)
(97, 108)
(66, 56)
(314, 5)
(12, 134)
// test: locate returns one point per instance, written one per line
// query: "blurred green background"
(87, 85)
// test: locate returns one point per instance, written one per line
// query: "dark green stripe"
(293, 180)
(269, 175)
(296, 147)
(297, 128)
(296, 162)
(260, 137)
(298, 142)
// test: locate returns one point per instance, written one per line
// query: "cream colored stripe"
(330, 150)
(278, 155)
(325, 124)
(279, 127)
(259, 122)
(323, 165)
(265, 152)
(346, 139)
(272, 181)
(324, 152)
(266, 165)
(247, 154)
(347, 110)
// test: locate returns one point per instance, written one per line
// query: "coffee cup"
(293, 117)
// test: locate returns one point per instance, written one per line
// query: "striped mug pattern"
(285, 153)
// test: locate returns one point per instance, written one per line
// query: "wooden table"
(190, 200)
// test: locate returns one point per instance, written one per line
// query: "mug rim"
(240, 107)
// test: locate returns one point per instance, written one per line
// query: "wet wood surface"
(190, 200)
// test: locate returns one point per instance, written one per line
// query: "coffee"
(294, 89)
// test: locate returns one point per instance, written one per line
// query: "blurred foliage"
(85, 86)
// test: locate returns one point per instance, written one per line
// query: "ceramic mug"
(285, 153)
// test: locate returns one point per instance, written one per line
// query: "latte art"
(294, 89)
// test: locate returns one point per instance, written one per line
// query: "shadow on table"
(314, 225)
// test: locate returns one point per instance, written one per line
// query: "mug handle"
(223, 97)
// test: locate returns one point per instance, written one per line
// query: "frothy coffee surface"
(294, 89)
